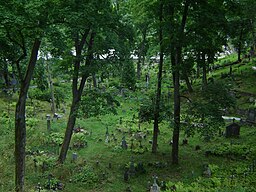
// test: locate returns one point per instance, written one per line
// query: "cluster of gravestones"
(51, 184)
(133, 169)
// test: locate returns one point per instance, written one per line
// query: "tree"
(24, 25)
(159, 80)
(87, 25)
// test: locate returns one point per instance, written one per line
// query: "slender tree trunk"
(53, 107)
(6, 74)
(20, 121)
(139, 66)
(176, 115)
(176, 74)
(240, 45)
(188, 83)
(204, 80)
(94, 80)
(76, 92)
(69, 130)
(159, 83)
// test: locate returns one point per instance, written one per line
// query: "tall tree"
(159, 80)
(176, 59)
(87, 25)
(24, 24)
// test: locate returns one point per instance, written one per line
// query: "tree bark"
(20, 120)
(189, 86)
(240, 45)
(159, 83)
(76, 91)
(176, 74)
(6, 74)
(53, 104)
(204, 78)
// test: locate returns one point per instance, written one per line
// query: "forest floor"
(97, 162)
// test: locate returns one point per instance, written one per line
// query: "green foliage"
(86, 175)
(146, 111)
(239, 151)
(31, 122)
(205, 111)
(97, 102)
(55, 138)
(128, 75)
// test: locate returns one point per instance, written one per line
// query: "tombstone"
(163, 185)
(107, 139)
(184, 142)
(35, 164)
(251, 115)
(126, 175)
(124, 143)
(207, 171)
(140, 144)
(50, 176)
(132, 167)
(155, 187)
(44, 167)
(48, 118)
(140, 168)
(132, 144)
(107, 133)
(197, 147)
(38, 187)
(233, 130)
(74, 157)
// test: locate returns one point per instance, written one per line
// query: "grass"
(98, 155)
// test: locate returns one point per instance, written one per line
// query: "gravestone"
(48, 119)
(132, 167)
(155, 187)
(251, 115)
(124, 143)
(140, 168)
(233, 130)
(126, 175)
(207, 171)
(38, 187)
(74, 157)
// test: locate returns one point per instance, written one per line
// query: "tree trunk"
(204, 80)
(176, 115)
(20, 121)
(159, 82)
(6, 74)
(69, 130)
(53, 104)
(94, 81)
(139, 67)
(240, 45)
(188, 83)
(176, 74)
(76, 92)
